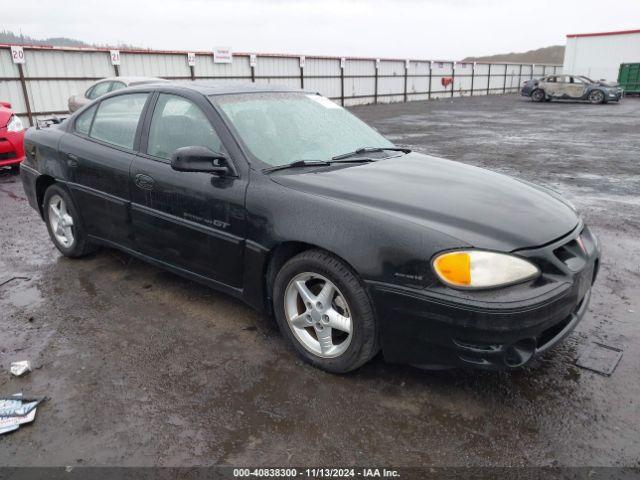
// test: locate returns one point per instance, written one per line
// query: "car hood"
(479, 207)
(605, 83)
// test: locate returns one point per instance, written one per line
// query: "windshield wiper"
(363, 150)
(297, 164)
(353, 160)
(322, 163)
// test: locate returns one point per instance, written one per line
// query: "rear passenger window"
(117, 119)
(178, 122)
(98, 90)
(83, 122)
(117, 86)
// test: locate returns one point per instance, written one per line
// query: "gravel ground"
(145, 368)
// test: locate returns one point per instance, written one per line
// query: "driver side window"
(178, 122)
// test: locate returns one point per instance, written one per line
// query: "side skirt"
(235, 292)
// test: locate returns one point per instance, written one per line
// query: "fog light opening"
(520, 352)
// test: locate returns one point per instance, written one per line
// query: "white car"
(107, 85)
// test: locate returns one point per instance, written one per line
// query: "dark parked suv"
(286, 200)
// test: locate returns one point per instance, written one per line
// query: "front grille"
(572, 255)
(7, 155)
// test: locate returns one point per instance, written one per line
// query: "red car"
(11, 137)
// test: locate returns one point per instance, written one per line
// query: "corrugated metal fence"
(42, 85)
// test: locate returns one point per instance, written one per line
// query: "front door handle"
(144, 182)
(72, 160)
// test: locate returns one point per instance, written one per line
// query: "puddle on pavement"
(21, 294)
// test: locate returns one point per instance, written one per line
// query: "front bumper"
(11, 147)
(614, 95)
(526, 91)
(423, 328)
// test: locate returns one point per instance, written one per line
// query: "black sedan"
(287, 201)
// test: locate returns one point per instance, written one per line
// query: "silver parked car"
(107, 85)
(571, 87)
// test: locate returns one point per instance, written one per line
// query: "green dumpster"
(629, 77)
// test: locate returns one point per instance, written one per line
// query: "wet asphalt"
(142, 367)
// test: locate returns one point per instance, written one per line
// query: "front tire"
(538, 95)
(596, 97)
(64, 223)
(324, 311)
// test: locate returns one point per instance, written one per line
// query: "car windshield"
(281, 128)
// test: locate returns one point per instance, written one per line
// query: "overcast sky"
(430, 29)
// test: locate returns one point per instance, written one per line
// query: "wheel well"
(42, 183)
(278, 256)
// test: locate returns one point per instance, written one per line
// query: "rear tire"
(64, 223)
(324, 311)
(596, 97)
(538, 95)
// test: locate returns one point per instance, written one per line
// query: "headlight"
(15, 124)
(478, 269)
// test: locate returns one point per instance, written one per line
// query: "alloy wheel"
(318, 315)
(596, 96)
(61, 221)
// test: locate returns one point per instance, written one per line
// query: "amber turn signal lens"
(455, 268)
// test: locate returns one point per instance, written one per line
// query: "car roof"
(133, 80)
(215, 88)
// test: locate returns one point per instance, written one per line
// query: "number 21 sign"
(17, 54)
(115, 57)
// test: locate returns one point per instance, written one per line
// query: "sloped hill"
(552, 55)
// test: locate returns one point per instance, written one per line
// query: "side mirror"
(201, 159)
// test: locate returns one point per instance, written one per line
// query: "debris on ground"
(16, 410)
(4, 281)
(600, 358)
(20, 368)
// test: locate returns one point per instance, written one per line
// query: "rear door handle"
(72, 160)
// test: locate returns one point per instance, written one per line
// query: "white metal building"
(599, 55)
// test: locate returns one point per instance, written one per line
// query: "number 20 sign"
(17, 54)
